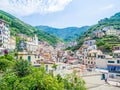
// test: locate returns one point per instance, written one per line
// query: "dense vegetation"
(17, 26)
(67, 34)
(21, 75)
(107, 42)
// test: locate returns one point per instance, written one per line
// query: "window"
(118, 75)
(111, 62)
(118, 61)
(35, 56)
(111, 75)
(46, 67)
(99, 56)
(116, 55)
(88, 62)
(91, 62)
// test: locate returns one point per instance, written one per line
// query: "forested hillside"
(67, 34)
(17, 26)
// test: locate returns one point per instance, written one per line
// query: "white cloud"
(28, 7)
(108, 7)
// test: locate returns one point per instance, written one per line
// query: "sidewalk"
(113, 83)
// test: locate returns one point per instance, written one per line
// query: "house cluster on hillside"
(40, 52)
(89, 52)
(62, 45)
(109, 30)
(33, 50)
(92, 57)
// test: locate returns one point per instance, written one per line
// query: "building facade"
(109, 30)
(113, 67)
(28, 46)
(98, 34)
(4, 35)
(12, 45)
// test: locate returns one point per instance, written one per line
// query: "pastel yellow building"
(31, 57)
(12, 45)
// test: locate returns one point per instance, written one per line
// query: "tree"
(100, 43)
(54, 66)
(4, 64)
(73, 82)
(11, 82)
(59, 78)
(8, 57)
(25, 77)
(22, 68)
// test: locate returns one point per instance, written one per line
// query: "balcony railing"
(114, 71)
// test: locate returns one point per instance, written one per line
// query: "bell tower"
(35, 39)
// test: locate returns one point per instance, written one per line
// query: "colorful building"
(113, 67)
(31, 57)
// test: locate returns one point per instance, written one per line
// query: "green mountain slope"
(18, 26)
(67, 34)
(112, 21)
(107, 42)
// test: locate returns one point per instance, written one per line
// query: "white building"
(4, 35)
(109, 30)
(29, 46)
(33, 45)
(35, 40)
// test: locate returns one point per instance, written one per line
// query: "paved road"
(95, 83)
(104, 87)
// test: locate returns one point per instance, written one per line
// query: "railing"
(114, 71)
(114, 79)
(85, 74)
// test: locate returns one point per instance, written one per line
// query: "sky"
(61, 13)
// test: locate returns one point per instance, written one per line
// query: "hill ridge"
(67, 33)
(18, 26)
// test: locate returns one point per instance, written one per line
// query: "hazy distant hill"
(67, 34)
(18, 26)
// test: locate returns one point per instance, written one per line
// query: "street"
(95, 83)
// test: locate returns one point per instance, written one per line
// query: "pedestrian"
(106, 80)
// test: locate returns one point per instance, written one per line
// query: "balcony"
(114, 71)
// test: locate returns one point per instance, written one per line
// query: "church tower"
(35, 39)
